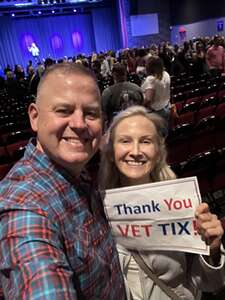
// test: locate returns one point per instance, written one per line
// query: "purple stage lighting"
(57, 42)
(27, 40)
(77, 40)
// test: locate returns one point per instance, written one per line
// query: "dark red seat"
(218, 181)
(203, 138)
(205, 112)
(4, 169)
(188, 117)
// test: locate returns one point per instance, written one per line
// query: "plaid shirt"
(55, 242)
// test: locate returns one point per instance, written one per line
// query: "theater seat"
(187, 118)
(209, 102)
(16, 150)
(177, 143)
(201, 165)
(218, 181)
(17, 136)
(203, 138)
(204, 112)
(4, 169)
(190, 107)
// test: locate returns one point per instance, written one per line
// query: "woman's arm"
(148, 97)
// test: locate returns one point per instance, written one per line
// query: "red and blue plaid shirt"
(55, 242)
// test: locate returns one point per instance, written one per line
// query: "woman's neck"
(124, 181)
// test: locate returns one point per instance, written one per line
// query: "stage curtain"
(106, 29)
(57, 36)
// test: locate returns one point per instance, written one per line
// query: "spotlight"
(74, 10)
(53, 11)
(13, 15)
(39, 12)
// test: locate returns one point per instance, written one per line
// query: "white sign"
(156, 216)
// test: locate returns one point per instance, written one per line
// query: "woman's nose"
(135, 150)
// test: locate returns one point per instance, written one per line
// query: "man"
(105, 69)
(55, 241)
(215, 57)
(34, 50)
(121, 94)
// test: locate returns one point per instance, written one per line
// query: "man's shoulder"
(133, 86)
(27, 186)
(107, 91)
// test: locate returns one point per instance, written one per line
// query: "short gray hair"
(66, 68)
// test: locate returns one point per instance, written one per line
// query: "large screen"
(144, 24)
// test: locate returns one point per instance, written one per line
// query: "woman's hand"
(148, 97)
(210, 228)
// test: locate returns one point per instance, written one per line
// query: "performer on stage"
(34, 50)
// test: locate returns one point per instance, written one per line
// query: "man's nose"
(77, 121)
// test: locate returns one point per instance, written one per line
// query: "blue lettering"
(183, 228)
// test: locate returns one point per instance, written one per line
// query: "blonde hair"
(109, 174)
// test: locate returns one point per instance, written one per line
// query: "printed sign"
(156, 216)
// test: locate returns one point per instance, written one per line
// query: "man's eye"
(63, 111)
(92, 114)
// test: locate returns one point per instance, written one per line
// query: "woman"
(156, 88)
(135, 154)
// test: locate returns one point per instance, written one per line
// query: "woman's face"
(135, 149)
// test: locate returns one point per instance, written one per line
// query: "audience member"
(199, 60)
(29, 64)
(215, 57)
(156, 88)
(121, 94)
(105, 69)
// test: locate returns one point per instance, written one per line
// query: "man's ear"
(33, 115)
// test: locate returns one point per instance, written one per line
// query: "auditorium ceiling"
(29, 8)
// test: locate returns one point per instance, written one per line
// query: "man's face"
(67, 119)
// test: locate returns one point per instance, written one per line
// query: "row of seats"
(9, 156)
(12, 146)
(198, 86)
(185, 82)
(196, 141)
(194, 112)
(187, 140)
(196, 103)
(184, 78)
(209, 167)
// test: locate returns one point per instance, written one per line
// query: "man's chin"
(79, 158)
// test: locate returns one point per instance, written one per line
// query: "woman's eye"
(147, 141)
(125, 141)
